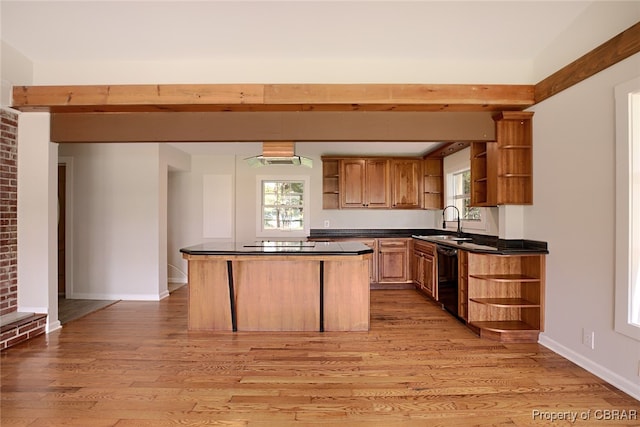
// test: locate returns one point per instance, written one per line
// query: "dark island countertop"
(278, 248)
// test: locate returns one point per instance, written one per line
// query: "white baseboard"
(600, 371)
(119, 297)
(179, 279)
(54, 326)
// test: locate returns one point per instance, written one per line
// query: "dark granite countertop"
(479, 242)
(278, 248)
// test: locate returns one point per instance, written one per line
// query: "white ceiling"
(148, 30)
(160, 30)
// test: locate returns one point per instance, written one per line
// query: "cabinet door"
(353, 176)
(393, 261)
(377, 183)
(406, 184)
(373, 262)
(417, 269)
(430, 278)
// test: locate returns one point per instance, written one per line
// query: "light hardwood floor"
(73, 309)
(135, 364)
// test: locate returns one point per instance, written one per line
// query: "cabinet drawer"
(393, 244)
(427, 248)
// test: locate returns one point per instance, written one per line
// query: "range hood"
(278, 153)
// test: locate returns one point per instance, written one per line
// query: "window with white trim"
(460, 197)
(283, 206)
(627, 268)
(457, 186)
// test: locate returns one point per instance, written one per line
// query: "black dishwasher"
(448, 278)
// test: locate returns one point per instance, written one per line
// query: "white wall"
(598, 23)
(574, 210)
(185, 206)
(266, 70)
(170, 159)
(15, 69)
(37, 218)
(117, 246)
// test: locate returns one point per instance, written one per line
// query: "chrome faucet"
(444, 221)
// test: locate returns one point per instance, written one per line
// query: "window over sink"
(283, 206)
(460, 196)
(457, 183)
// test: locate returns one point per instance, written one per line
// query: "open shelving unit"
(506, 296)
(502, 171)
(515, 174)
(330, 184)
(433, 186)
(514, 165)
(483, 177)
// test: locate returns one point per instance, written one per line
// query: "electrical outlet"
(588, 338)
(326, 223)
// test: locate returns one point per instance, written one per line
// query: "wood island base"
(278, 292)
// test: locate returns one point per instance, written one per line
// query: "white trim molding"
(632, 389)
(627, 228)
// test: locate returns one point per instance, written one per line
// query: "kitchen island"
(278, 286)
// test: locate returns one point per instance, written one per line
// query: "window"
(457, 173)
(627, 268)
(283, 206)
(461, 197)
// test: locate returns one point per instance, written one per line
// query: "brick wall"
(21, 326)
(8, 211)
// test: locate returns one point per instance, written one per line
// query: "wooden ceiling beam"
(611, 52)
(272, 97)
(271, 126)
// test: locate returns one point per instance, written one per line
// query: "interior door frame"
(68, 262)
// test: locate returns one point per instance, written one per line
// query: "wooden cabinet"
(505, 296)
(514, 135)
(433, 184)
(463, 285)
(372, 182)
(390, 263)
(330, 184)
(364, 183)
(373, 262)
(483, 174)
(501, 171)
(406, 179)
(393, 260)
(423, 268)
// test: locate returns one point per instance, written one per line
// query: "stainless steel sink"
(449, 237)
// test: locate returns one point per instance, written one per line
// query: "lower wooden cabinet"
(393, 260)
(463, 285)
(390, 263)
(424, 268)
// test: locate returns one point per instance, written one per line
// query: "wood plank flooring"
(135, 364)
(73, 309)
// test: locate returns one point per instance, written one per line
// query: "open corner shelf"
(505, 295)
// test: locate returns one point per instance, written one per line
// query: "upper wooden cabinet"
(433, 188)
(406, 179)
(372, 182)
(330, 184)
(502, 171)
(364, 183)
